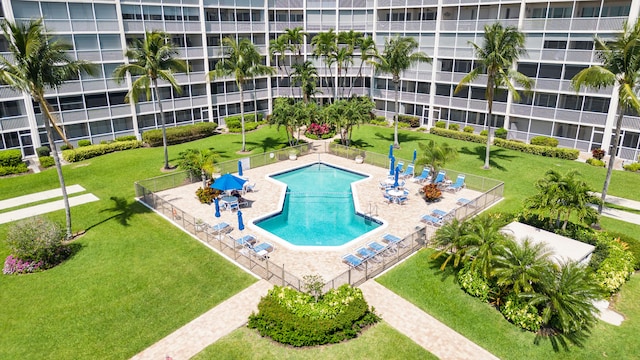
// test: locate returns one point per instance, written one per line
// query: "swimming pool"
(318, 208)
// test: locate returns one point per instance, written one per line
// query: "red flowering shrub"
(431, 192)
(319, 130)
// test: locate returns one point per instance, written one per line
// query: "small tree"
(313, 285)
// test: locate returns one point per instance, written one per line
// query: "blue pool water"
(318, 208)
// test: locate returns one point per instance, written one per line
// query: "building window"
(528, 69)
(570, 102)
(446, 65)
(550, 71)
(571, 70)
(462, 66)
(546, 100)
(555, 44)
(596, 104)
(581, 45)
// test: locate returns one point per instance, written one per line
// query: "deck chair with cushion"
(393, 240)
(425, 176)
(400, 166)
(245, 241)
(219, 229)
(464, 201)
(408, 173)
(379, 248)
(431, 220)
(262, 250)
(440, 177)
(458, 185)
(353, 261)
(367, 254)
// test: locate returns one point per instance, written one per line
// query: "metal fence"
(146, 189)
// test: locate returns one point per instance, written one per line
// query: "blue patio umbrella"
(390, 151)
(240, 223)
(228, 182)
(397, 174)
(415, 155)
(217, 203)
(391, 168)
(239, 168)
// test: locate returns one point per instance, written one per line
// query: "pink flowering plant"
(14, 265)
(320, 131)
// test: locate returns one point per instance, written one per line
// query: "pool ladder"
(368, 216)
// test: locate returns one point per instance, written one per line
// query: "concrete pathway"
(631, 204)
(45, 208)
(195, 336)
(42, 195)
(620, 215)
(421, 327)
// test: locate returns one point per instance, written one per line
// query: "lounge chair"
(248, 187)
(262, 250)
(431, 220)
(218, 229)
(353, 261)
(408, 173)
(458, 185)
(425, 176)
(367, 254)
(464, 201)
(245, 241)
(379, 248)
(399, 166)
(393, 240)
(440, 177)
(438, 213)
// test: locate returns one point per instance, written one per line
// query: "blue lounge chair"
(423, 177)
(379, 248)
(409, 172)
(438, 213)
(217, 229)
(458, 185)
(353, 261)
(464, 201)
(431, 220)
(399, 166)
(393, 240)
(262, 250)
(440, 178)
(367, 254)
(245, 241)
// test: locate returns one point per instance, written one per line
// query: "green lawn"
(421, 282)
(378, 342)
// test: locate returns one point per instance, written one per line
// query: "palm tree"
(306, 74)
(284, 115)
(483, 243)
(277, 49)
(436, 155)
(520, 265)
(449, 240)
(565, 297)
(152, 58)
(368, 51)
(347, 43)
(295, 39)
(501, 49)
(621, 69)
(242, 61)
(343, 58)
(399, 55)
(325, 45)
(38, 62)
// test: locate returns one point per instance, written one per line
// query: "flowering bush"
(473, 283)
(295, 318)
(36, 239)
(431, 192)
(520, 313)
(14, 265)
(598, 154)
(613, 263)
(319, 131)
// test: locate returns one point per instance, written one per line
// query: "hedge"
(570, 154)
(634, 167)
(10, 158)
(595, 162)
(46, 161)
(465, 136)
(179, 134)
(544, 141)
(413, 121)
(88, 152)
(501, 133)
(8, 170)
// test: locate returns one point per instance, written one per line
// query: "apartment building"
(559, 42)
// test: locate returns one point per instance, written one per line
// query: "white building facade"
(559, 43)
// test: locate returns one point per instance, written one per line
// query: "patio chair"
(424, 176)
(464, 201)
(248, 187)
(440, 177)
(379, 248)
(399, 166)
(409, 172)
(219, 229)
(458, 185)
(431, 220)
(245, 241)
(393, 240)
(353, 261)
(367, 254)
(233, 206)
(262, 250)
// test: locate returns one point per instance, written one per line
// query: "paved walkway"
(195, 336)
(621, 214)
(45, 208)
(39, 196)
(421, 327)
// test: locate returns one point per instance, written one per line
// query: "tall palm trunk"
(44, 105)
(612, 158)
(359, 76)
(242, 115)
(396, 83)
(487, 152)
(163, 123)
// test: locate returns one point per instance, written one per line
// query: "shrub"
(465, 136)
(431, 193)
(612, 262)
(180, 134)
(472, 282)
(544, 141)
(46, 161)
(521, 313)
(633, 246)
(413, 121)
(8, 170)
(484, 133)
(468, 129)
(206, 195)
(454, 127)
(43, 151)
(501, 133)
(126, 138)
(37, 239)
(632, 167)
(380, 120)
(319, 131)
(14, 265)
(234, 124)
(595, 162)
(11, 158)
(598, 154)
(295, 318)
(569, 154)
(403, 125)
(64, 147)
(441, 124)
(88, 152)
(84, 142)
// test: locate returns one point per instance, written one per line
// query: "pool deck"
(400, 220)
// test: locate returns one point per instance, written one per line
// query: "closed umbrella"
(391, 168)
(240, 223)
(217, 203)
(397, 174)
(239, 168)
(415, 155)
(390, 151)
(228, 182)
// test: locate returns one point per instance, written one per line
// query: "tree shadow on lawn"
(402, 137)
(435, 265)
(124, 211)
(480, 152)
(268, 143)
(360, 144)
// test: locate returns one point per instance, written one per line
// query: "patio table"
(227, 200)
